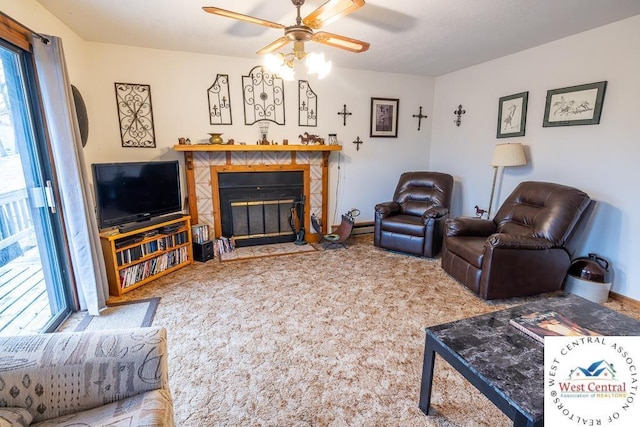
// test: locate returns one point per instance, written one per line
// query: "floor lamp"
(505, 155)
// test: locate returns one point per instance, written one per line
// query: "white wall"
(599, 159)
(179, 83)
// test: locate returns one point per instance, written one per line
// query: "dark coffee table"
(503, 363)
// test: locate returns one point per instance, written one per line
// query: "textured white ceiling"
(423, 37)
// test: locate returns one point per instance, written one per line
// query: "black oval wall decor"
(81, 112)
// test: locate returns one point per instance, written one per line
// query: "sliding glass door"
(34, 285)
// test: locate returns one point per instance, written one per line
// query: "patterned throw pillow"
(15, 417)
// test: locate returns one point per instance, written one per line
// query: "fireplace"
(205, 162)
(256, 207)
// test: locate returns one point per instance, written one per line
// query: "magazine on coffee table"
(540, 324)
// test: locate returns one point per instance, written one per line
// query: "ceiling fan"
(302, 31)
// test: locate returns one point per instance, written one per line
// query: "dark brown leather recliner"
(414, 221)
(524, 250)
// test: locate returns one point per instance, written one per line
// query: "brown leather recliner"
(414, 221)
(524, 250)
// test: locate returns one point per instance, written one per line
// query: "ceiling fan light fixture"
(274, 61)
(284, 65)
(279, 64)
(287, 73)
(317, 64)
(303, 31)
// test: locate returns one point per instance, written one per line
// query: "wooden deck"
(24, 304)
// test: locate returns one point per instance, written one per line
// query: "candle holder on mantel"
(264, 129)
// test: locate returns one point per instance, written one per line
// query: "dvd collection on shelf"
(136, 273)
(136, 252)
(200, 233)
(223, 245)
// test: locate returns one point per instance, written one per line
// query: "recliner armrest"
(435, 212)
(385, 209)
(467, 226)
(511, 241)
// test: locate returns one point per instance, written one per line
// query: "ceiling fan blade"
(272, 47)
(330, 11)
(241, 17)
(340, 42)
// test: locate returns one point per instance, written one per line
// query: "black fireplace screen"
(264, 218)
(256, 206)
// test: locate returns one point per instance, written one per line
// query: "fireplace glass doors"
(257, 207)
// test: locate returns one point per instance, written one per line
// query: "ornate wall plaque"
(220, 101)
(307, 104)
(263, 95)
(135, 115)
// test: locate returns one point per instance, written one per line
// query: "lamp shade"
(509, 155)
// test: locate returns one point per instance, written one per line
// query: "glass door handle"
(51, 200)
(42, 197)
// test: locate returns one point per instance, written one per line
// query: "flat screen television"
(135, 191)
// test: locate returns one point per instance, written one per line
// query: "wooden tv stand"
(137, 257)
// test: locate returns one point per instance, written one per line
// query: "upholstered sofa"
(413, 222)
(86, 379)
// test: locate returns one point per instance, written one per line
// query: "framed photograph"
(512, 115)
(575, 105)
(384, 118)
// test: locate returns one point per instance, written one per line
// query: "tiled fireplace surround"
(202, 168)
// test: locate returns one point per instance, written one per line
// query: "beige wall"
(31, 14)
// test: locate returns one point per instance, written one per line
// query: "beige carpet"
(331, 338)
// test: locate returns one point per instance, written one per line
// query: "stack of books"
(131, 275)
(546, 323)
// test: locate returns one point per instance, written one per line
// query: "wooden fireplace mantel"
(234, 147)
(190, 150)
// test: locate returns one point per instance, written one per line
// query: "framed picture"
(384, 117)
(575, 105)
(512, 115)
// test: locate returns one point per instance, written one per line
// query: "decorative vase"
(216, 138)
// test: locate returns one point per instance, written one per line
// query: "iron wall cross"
(358, 142)
(344, 115)
(420, 116)
(459, 112)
